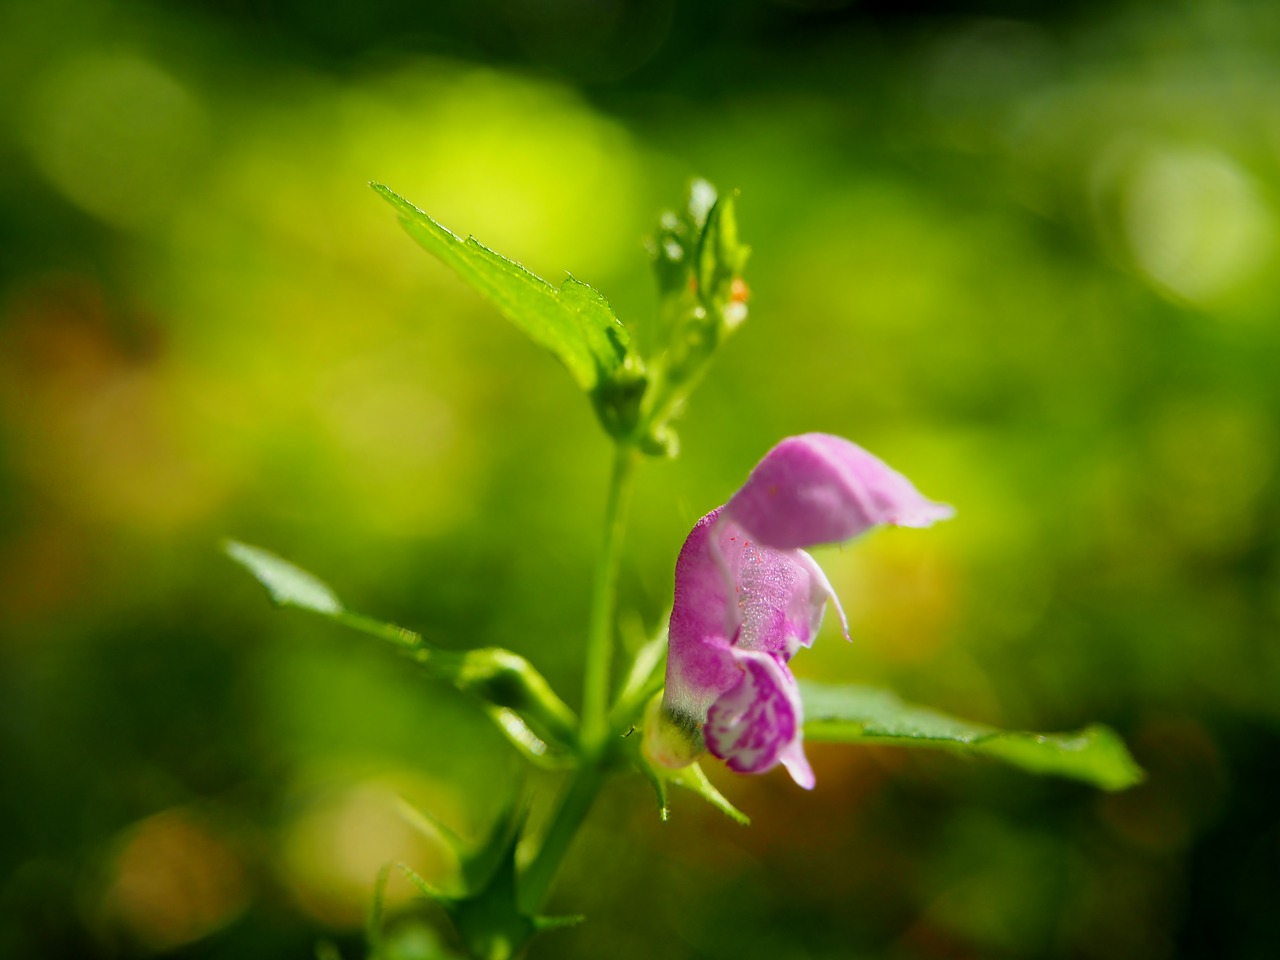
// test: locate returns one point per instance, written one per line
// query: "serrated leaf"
(856, 714)
(573, 321)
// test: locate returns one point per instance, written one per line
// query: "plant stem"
(604, 599)
(574, 807)
(590, 776)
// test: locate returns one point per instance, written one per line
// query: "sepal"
(487, 914)
(662, 774)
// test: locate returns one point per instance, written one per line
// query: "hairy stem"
(604, 599)
(586, 782)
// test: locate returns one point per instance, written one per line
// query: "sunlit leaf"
(855, 714)
(573, 321)
(288, 586)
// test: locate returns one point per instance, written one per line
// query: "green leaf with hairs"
(856, 714)
(573, 320)
(514, 695)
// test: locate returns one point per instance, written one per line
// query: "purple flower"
(747, 597)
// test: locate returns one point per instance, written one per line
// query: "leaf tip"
(286, 585)
(422, 886)
(1124, 771)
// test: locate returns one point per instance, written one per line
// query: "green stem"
(604, 599)
(573, 809)
(590, 776)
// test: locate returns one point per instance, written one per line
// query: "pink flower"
(747, 597)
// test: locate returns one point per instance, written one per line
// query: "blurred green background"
(1026, 253)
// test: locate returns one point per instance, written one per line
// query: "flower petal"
(797, 764)
(733, 600)
(821, 583)
(755, 723)
(780, 594)
(700, 663)
(818, 488)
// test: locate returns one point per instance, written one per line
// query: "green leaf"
(574, 321)
(855, 714)
(515, 696)
(287, 585)
(290, 586)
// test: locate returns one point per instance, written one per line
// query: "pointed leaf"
(491, 862)
(855, 714)
(290, 586)
(489, 918)
(424, 888)
(516, 696)
(574, 322)
(287, 585)
(430, 826)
